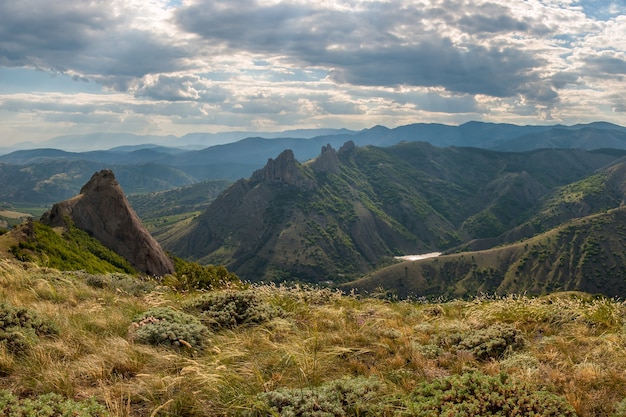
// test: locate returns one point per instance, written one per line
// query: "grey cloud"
(340, 107)
(562, 79)
(83, 38)
(361, 48)
(492, 18)
(606, 64)
(437, 63)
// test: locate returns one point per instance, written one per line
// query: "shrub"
(168, 327)
(20, 327)
(343, 397)
(116, 281)
(229, 309)
(475, 394)
(48, 405)
(23, 318)
(192, 276)
(489, 342)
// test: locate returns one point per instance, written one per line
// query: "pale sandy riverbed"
(418, 257)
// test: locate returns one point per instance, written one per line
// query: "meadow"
(118, 345)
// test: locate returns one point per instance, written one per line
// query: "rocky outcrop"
(102, 210)
(328, 161)
(283, 170)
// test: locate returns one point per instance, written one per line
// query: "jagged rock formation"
(102, 210)
(328, 161)
(282, 170)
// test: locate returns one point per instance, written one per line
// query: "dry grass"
(576, 347)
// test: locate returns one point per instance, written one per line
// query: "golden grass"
(576, 346)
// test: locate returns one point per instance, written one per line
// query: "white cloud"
(175, 67)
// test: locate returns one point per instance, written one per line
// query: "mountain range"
(530, 215)
(47, 175)
(348, 212)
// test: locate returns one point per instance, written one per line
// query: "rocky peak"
(347, 147)
(328, 161)
(282, 170)
(102, 210)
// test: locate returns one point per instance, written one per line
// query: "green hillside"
(349, 212)
(586, 254)
(67, 250)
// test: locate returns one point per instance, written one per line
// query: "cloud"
(300, 63)
(180, 88)
(376, 45)
(608, 63)
(101, 41)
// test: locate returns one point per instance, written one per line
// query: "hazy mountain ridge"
(52, 181)
(240, 159)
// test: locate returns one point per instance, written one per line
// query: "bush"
(23, 318)
(48, 405)
(344, 397)
(192, 276)
(168, 327)
(475, 394)
(20, 327)
(229, 309)
(119, 282)
(489, 342)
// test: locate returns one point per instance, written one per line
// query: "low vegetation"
(101, 346)
(68, 249)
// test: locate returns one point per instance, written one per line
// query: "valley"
(367, 280)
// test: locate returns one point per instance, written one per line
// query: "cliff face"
(102, 210)
(284, 171)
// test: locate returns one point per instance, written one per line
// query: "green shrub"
(229, 309)
(48, 405)
(619, 409)
(169, 327)
(344, 397)
(128, 284)
(19, 328)
(489, 342)
(475, 394)
(23, 318)
(192, 276)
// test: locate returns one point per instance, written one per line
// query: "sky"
(171, 67)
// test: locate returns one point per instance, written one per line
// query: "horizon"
(68, 142)
(175, 67)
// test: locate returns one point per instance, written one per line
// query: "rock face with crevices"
(102, 210)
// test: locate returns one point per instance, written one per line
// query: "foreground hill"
(100, 345)
(345, 212)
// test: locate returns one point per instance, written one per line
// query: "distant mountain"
(100, 141)
(51, 181)
(240, 159)
(560, 138)
(345, 212)
(108, 140)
